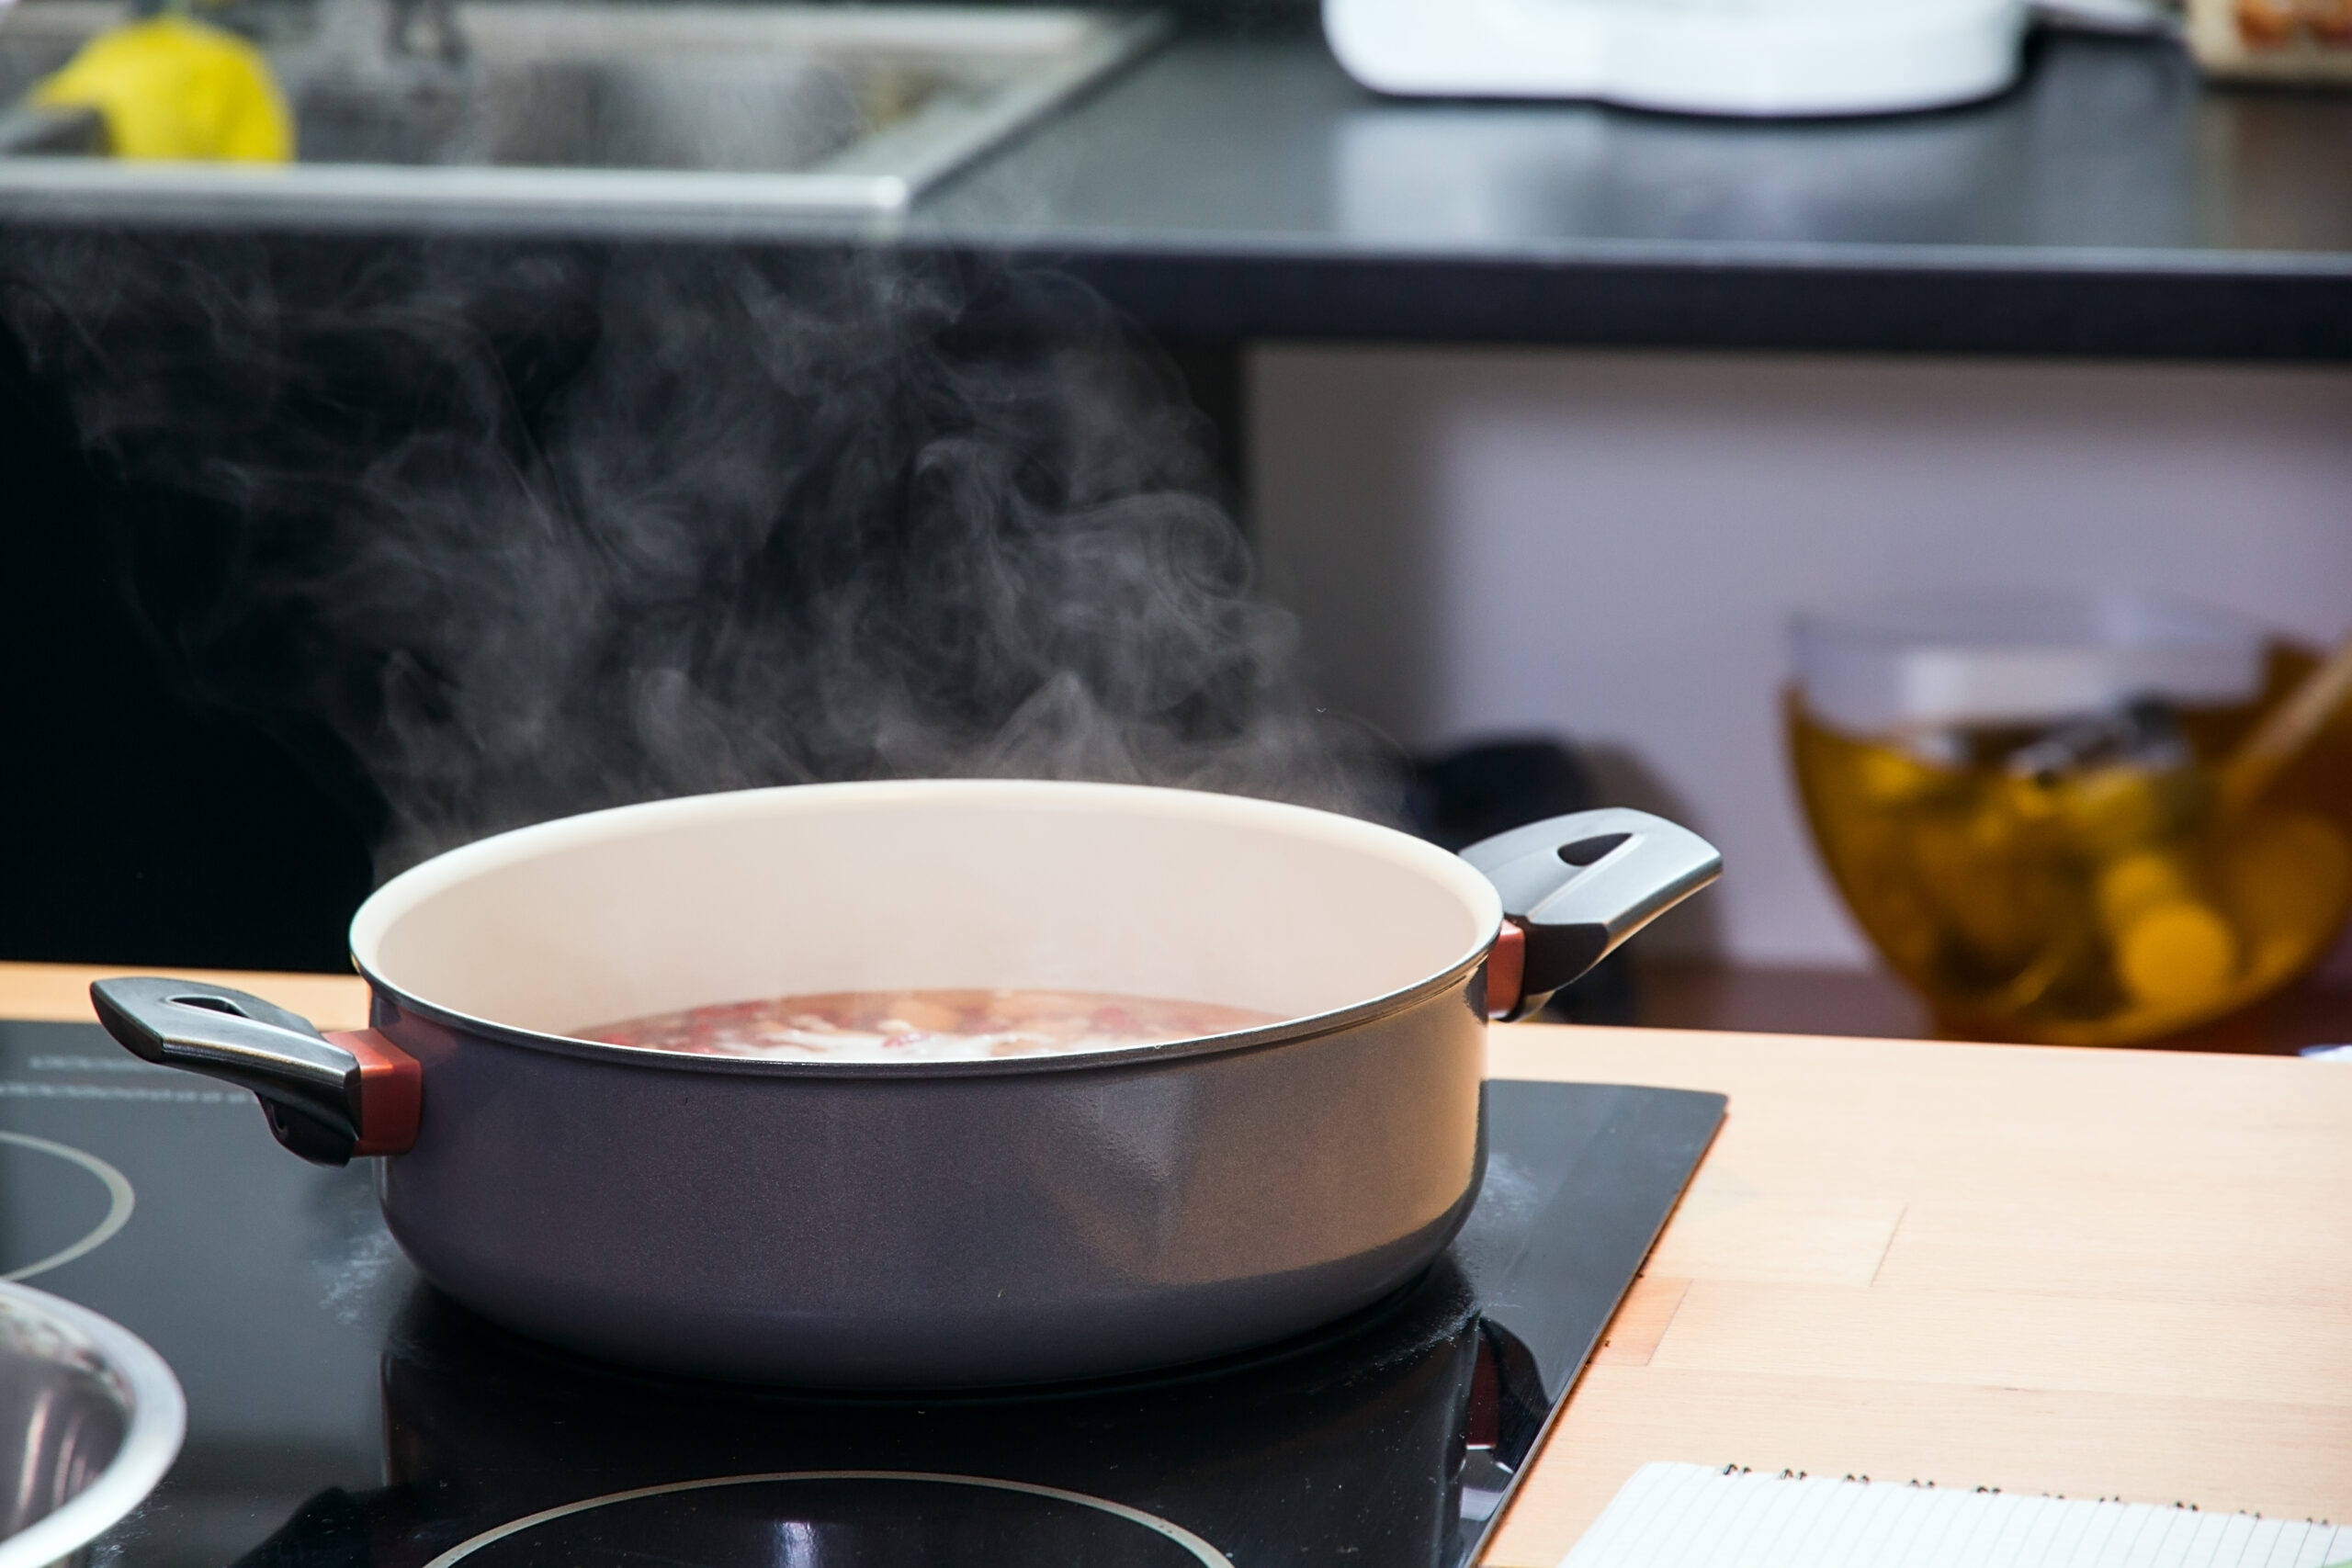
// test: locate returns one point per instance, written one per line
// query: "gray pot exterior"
(749, 1221)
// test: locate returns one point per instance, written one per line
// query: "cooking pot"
(930, 1223)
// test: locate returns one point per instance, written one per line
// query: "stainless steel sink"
(90, 1419)
(509, 113)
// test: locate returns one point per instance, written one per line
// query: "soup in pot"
(928, 1025)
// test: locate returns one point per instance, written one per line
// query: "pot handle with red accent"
(328, 1097)
(1574, 888)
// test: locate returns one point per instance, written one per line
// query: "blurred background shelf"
(1231, 188)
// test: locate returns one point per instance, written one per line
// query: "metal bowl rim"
(149, 1443)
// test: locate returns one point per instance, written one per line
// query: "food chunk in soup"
(928, 1025)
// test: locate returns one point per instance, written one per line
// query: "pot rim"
(1289, 1031)
(452, 866)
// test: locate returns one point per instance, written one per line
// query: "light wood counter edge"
(59, 993)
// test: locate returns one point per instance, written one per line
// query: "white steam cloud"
(537, 533)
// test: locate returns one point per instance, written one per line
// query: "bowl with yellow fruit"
(2075, 818)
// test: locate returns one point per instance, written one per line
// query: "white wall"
(1609, 545)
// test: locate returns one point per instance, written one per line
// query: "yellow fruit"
(2176, 952)
(2137, 882)
(170, 88)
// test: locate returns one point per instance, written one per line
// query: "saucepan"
(917, 1223)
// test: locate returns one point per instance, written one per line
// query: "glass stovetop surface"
(344, 1414)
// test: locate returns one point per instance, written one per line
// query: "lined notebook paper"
(1689, 1516)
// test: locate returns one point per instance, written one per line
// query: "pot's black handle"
(1578, 886)
(327, 1097)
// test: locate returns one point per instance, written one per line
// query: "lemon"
(171, 88)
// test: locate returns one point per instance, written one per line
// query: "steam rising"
(551, 531)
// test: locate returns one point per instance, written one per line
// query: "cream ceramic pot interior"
(728, 897)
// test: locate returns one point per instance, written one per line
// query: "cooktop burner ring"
(1209, 1556)
(121, 1200)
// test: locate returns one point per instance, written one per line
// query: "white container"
(1729, 57)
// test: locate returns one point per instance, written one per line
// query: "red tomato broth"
(927, 1025)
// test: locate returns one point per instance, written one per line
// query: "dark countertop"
(1228, 188)
(2113, 203)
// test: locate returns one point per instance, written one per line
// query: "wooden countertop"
(59, 993)
(2098, 1273)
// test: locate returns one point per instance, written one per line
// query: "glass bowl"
(2017, 795)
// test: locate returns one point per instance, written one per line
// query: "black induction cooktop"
(344, 1414)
